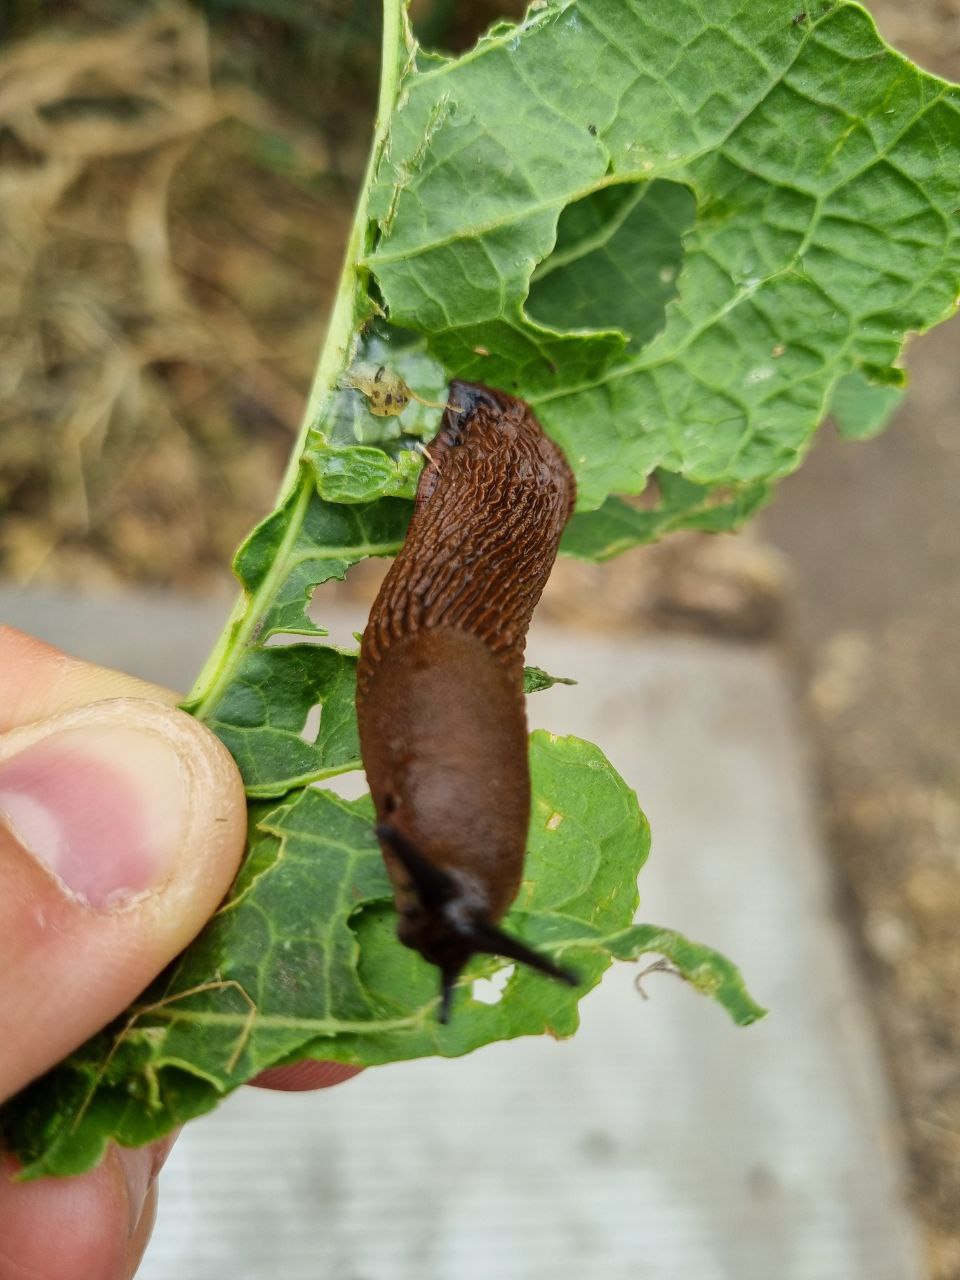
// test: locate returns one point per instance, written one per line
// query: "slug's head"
(447, 926)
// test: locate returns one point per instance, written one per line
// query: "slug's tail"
(445, 936)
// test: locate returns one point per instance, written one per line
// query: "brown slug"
(440, 702)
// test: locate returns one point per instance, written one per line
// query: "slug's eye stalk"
(446, 930)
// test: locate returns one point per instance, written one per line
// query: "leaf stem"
(352, 300)
(219, 668)
(350, 308)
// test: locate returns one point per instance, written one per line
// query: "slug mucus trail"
(440, 702)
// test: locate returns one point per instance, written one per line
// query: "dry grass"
(162, 296)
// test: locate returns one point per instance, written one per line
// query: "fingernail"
(101, 806)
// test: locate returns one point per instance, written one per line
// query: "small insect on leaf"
(386, 393)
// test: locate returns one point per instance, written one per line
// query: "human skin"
(122, 824)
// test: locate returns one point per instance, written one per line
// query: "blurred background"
(176, 184)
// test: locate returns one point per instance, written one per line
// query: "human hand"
(122, 822)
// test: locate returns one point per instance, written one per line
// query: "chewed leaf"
(258, 696)
(705, 969)
(822, 166)
(616, 261)
(262, 716)
(617, 525)
(303, 961)
(305, 543)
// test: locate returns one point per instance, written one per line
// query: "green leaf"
(535, 679)
(617, 526)
(257, 695)
(308, 541)
(708, 972)
(361, 474)
(303, 961)
(262, 716)
(823, 168)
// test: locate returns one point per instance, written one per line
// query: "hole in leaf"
(280, 639)
(348, 786)
(342, 626)
(342, 611)
(342, 630)
(650, 497)
(454, 28)
(490, 990)
(616, 261)
(311, 726)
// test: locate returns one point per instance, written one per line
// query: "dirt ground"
(164, 278)
(871, 534)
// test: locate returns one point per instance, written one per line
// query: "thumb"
(121, 827)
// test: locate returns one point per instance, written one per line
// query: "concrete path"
(661, 1142)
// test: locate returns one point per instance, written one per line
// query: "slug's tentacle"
(494, 942)
(464, 936)
(440, 700)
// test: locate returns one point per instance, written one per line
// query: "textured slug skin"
(440, 702)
